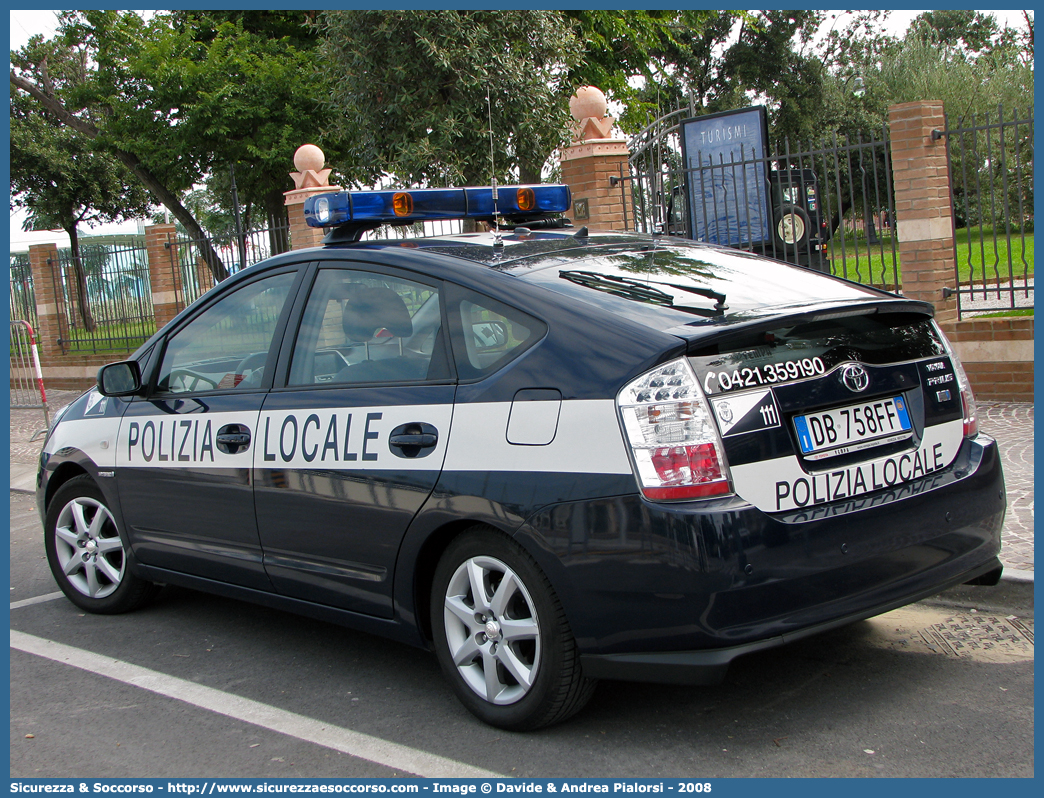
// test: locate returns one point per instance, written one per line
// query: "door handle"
(233, 438)
(423, 440)
(412, 440)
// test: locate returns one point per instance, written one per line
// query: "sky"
(25, 24)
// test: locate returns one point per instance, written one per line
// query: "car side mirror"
(119, 379)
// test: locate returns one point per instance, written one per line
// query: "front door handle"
(233, 438)
(413, 440)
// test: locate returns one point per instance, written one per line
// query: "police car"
(548, 454)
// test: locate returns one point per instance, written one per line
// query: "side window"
(491, 335)
(362, 327)
(226, 346)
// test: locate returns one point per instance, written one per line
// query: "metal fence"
(852, 213)
(23, 297)
(105, 300)
(991, 180)
(193, 276)
(441, 227)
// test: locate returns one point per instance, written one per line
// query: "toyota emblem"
(855, 378)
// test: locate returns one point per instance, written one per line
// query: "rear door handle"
(423, 440)
(413, 440)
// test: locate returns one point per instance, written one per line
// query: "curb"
(1013, 595)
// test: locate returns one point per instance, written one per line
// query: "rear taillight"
(971, 412)
(675, 445)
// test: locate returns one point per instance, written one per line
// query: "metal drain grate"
(971, 635)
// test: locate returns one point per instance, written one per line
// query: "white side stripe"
(373, 749)
(473, 437)
(95, 437)
(588, 441)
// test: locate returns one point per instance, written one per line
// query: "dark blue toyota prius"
(549, 455)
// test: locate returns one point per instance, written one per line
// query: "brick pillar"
(586, 169)
(168, 294)
(309, 179)
(301, 235)
(591, 160)
(924, 213)
(50, 304)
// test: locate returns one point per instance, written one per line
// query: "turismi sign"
(728, 184)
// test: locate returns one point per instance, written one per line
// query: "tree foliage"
(245, 86)
(654, 62)
(181, 96)
(410, 91)
(61, 179)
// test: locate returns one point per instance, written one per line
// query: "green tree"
(180, 97)
(410, 90)
(652, 62)
(62, 181)
(772, 58)
(61, 76)
(974, 30)
(247, 86)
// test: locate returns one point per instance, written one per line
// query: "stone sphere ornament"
(309, 161)
(309, 157)
(588, 102)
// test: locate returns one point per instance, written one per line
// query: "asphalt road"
(200, 686)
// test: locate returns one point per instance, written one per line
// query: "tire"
(87, 556)
(791, 226)
(522, 679)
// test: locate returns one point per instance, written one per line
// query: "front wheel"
(501, 635)
(87, 557)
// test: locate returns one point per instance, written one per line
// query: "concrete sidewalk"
(1011, 423)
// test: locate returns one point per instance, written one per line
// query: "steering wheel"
(252, 367)
(187, 381)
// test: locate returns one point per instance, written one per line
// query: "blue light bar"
(430, 204)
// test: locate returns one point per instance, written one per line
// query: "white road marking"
(36, 600)
(373, 749)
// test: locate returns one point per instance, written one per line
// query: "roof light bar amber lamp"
(526, 199)
(402, 204)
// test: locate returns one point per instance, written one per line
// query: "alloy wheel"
(492, 630)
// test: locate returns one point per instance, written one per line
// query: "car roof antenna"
(498, 242)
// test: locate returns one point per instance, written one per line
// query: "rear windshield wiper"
(643, 291)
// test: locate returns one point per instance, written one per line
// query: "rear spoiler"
(742, 324)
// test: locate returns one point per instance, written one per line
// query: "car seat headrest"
(371, 309)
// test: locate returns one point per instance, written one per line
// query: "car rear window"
(748, 282)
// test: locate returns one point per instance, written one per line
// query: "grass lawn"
(978, 254)
(1002, 313)
(120, 337)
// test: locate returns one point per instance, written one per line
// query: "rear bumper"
(708, 667)
(674, 592)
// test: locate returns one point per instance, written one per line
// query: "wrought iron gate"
(854, 210)
(991, 184)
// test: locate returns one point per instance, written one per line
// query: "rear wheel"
(87, 557)
(501, 635)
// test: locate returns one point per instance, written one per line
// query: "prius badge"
(855, 378)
